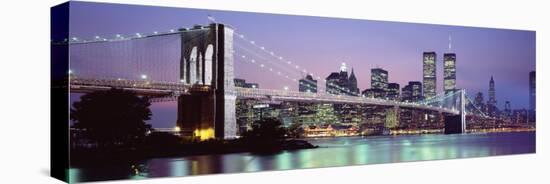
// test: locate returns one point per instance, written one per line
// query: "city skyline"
(170, 92)
(508, 55)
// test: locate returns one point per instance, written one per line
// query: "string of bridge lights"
(122, 37)
(270, 53)
(481, 112)
(279, 73)
(254, 54)
(446, 96)
(289, 63)
(265, 50)
(282, 59)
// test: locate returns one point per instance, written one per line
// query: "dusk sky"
(320, 45)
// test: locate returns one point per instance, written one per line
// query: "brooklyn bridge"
(195, 67)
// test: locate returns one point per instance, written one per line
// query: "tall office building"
(379, 79)
(429, 74)
(352, 83)
(243, 84)
(393, 91)
(341, 84)
(492, 102)
(307, 84)
(333, 84)
(532, 96)
(449, 72)
(412, 92)
(507, 109)
(479, 102)
(416, 87)
(343, 77)
(406, 93)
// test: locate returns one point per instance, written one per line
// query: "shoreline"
(98, 157)
(89, 158)
(477, 131)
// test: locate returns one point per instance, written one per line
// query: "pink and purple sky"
(321, 44)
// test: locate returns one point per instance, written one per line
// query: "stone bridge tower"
(208, 110)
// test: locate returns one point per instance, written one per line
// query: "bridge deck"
(170, 91)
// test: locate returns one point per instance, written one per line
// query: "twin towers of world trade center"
(429, 72)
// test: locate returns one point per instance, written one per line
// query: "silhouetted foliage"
(161, 140)
(266, 129)
(112, 118)
(295, 130)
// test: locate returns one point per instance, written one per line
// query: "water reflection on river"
(340, 151)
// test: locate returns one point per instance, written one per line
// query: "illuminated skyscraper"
(492, 103)
(307, 84)
(352, 83)
(406, 93)
(479, 103)
(429, 71)
(341, 84)
(416, 87)
(412, 92)
(449, 72)
(379, 79)
(243, 84)
(532, 96)
(393, 91)
(507, 109)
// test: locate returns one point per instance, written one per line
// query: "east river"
(333, 151)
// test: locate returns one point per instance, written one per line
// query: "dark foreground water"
(340, 151)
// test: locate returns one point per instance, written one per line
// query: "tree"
(268, 129)
(112, 118)
(295, 130)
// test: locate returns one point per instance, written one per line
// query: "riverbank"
(332, 152)
(405, 132)
(91, 157)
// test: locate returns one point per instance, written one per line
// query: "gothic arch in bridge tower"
(206, 64)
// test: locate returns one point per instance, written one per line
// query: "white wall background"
(24, 90)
